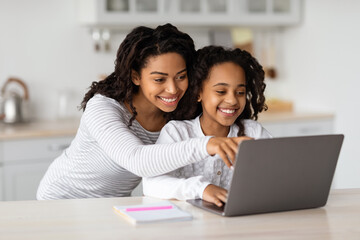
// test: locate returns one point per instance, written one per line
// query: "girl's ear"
(199, 98)
(135, 78)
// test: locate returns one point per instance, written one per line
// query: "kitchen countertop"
(43, 128)
(56, 128)
(268, 117)
(96, 219)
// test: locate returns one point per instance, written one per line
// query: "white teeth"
(169, 100)
(229, 111)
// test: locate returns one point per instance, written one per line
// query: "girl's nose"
(231, 99)
(171, 87)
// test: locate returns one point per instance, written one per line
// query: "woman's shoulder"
(102, 106)
(99, 99)
(103, 102)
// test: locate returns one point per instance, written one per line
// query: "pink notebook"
(154, 212)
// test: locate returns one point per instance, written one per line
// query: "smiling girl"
(229, 89)
(123, 114)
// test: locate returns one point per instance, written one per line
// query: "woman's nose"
(171, 87)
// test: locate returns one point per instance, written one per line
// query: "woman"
(122, 117)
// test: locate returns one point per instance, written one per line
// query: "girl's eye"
(220, 92)
(241, 93)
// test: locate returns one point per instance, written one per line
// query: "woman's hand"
(215, 194)
(225, 147)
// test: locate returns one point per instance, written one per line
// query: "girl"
(122, 117)
(230, 92)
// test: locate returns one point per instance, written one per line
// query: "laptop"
(280, 174)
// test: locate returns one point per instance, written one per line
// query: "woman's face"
(223, 95)
(163, 81)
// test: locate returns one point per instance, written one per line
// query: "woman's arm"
(105, 122)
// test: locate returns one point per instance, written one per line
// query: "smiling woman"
(123, 114)
(162, 83)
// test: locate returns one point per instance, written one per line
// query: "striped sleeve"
(105, 122)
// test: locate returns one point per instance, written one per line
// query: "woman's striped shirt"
(107, 158)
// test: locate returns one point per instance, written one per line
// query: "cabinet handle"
(58, 147)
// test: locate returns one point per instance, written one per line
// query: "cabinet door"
(1, 183)
(25, 162)
(22, 180)
(130, 13)
(271, 12)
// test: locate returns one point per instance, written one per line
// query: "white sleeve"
(105, 123)
(168, 187)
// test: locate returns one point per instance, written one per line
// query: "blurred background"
(55, 49)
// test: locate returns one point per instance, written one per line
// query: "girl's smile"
(228, 112)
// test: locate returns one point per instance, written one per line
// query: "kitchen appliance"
(13, 106)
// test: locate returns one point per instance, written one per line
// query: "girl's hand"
(225, 147)
(215, 194)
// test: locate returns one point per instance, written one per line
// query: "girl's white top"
(107, 158)
(189, 182)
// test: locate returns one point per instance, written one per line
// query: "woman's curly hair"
(210, 56)
(133, 54)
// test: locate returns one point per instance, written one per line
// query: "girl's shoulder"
(181, 124)
(184, 129)
(251, 123)
(255, 130)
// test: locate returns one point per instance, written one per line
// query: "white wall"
(42, 43)
(320, 70)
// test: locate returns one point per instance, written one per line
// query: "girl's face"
(163, 82)
(223, 95)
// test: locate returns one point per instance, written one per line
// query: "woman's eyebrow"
(184, 70)
(165, 74)
(225, 84)
(161, 73)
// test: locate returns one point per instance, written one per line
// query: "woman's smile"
(170, 100)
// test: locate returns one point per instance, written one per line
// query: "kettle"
(13, 106)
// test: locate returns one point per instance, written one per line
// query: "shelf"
(204, 13)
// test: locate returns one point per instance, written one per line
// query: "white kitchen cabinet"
(209, 13)
(300, 127)
(1, 182)
(24, 162)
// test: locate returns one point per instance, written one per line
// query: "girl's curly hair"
(133, 54)
(210, 56)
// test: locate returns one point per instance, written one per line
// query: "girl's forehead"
(227, 72)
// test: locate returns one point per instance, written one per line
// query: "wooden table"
(95, 219)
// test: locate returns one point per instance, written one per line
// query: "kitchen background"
(44, 43)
